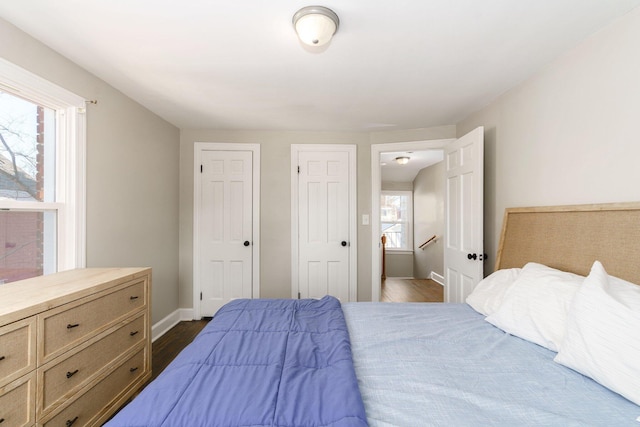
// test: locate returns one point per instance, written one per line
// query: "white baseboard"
(161, 328)
(437, 278)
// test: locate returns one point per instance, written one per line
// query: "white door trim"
(376, 150)
(353, 223)
(198, 148)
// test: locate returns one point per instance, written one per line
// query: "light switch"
(365, 219)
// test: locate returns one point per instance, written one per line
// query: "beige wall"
(275, 204)
(569, 135)
(428, 220)
(275, 215)
(396, 186)
(132, 171)
(411, 135)
(398, 264)
(138, 180)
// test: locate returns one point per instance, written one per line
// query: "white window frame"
(70, 180)
(409, 221)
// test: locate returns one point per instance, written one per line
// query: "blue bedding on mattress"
(443, 365)
(258, 363)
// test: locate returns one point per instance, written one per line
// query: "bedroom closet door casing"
(464, 240)
(224, 259)
(323, 222)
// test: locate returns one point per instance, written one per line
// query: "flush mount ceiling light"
(315, 25)
(403, 160)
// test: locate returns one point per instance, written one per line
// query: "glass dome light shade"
(315, 25)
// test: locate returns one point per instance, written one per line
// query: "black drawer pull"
(133, 369)
(133, 297)
(69, 423)
(75, 325)
(1, 420)
(133, 333)
(2, 358)
(70, 374)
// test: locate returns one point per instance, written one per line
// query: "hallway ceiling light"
(315, 25)
(402, 160)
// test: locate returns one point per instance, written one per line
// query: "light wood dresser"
(74, 346)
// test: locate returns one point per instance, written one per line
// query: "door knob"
(343, 243)
(246, 243)
(472, 256)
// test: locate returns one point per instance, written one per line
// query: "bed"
(551, 338)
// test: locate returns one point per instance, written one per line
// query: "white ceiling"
(237, 64)
(392, 171)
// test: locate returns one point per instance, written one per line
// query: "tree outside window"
(25, 129)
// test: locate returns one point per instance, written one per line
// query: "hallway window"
(396, 220)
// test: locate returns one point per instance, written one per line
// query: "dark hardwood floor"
(411, 290)
(167, 347)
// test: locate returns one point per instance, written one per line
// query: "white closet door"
(324, 219)
(226, 228)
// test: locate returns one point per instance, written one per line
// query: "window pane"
(394, 207)
(396, 235)
(27, 144)
(26, 239)
(394, 217)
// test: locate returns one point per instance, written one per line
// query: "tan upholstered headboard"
(570, 238)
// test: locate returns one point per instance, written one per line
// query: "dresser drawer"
(17, 402)
(67, 326)
(88, 408)
(63, 378)
(17, 349)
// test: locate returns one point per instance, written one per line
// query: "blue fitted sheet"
(443, 365)
(258, 363)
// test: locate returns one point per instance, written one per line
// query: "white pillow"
(535, 307)
(489, 293)
(602, 340)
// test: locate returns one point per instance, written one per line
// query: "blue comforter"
(258, 363)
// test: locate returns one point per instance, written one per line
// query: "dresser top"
(25, 298)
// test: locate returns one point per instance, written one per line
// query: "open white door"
(463, 253)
